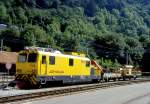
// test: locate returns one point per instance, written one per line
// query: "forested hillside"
(110, 30)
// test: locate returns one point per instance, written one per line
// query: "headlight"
(19, 70)
(33, 71)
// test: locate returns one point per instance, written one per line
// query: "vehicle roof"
(63, 55)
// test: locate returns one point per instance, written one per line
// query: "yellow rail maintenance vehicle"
(38, 66)
(128, 72)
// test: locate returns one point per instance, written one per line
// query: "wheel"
(106, 80)
(114, 79)
(12, 84)
(95, 80)
(124, 78)
(21, 85)
(129, 78)
(134, 78)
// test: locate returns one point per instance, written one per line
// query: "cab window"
(32, 57)
(70, 62)
(43, 59)
(52, 60)
(22, 57)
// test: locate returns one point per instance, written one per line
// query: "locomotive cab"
(26, 68)
(27, 63)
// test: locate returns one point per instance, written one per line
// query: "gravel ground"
(14, 91)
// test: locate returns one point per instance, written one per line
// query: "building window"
(43, 59)
(70, 62)
(87, 63)
(52, 60)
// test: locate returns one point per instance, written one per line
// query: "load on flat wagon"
(38, 66)
(124, 73)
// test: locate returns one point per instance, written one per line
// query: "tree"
(11, 39)
(54, 27)
(33, 35)
(145, 40)
(30, 3)
(134, 48)
(109, 46)
(111, 40)
(10, 33)
(21, 17)
(67, 42)
(3, 13)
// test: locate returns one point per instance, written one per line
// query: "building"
(8, 58)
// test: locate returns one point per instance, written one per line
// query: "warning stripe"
(31, 81)
(18, 76)
(25, 78)
(29, 78)
(34, 79)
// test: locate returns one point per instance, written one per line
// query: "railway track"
(68, 90)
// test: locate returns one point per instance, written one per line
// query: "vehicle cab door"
(43, 65)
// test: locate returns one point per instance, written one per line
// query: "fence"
(5, 79)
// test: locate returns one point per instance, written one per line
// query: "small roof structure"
(3, 26)
(8, 57)
(129, 66)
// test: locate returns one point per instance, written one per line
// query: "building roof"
(3, 26)
(64, 55)
(8, 57)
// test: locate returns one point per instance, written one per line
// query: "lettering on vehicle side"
(82, 61)
(56, 71)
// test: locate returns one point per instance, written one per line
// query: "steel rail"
(65, 91)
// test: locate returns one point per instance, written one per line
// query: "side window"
(52, 60)
(87, 63)
(43, 59)
(22, 57)
(70, 62)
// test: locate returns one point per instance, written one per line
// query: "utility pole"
(33, 40)
(1, 44)
(127, 58)
(87, 51)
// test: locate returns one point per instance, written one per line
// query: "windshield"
(32, 57)
(22, 57)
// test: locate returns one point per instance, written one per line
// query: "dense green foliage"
(109, 29)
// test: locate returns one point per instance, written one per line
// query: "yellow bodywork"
(127, 70)
(25, 70)
(61, 66)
